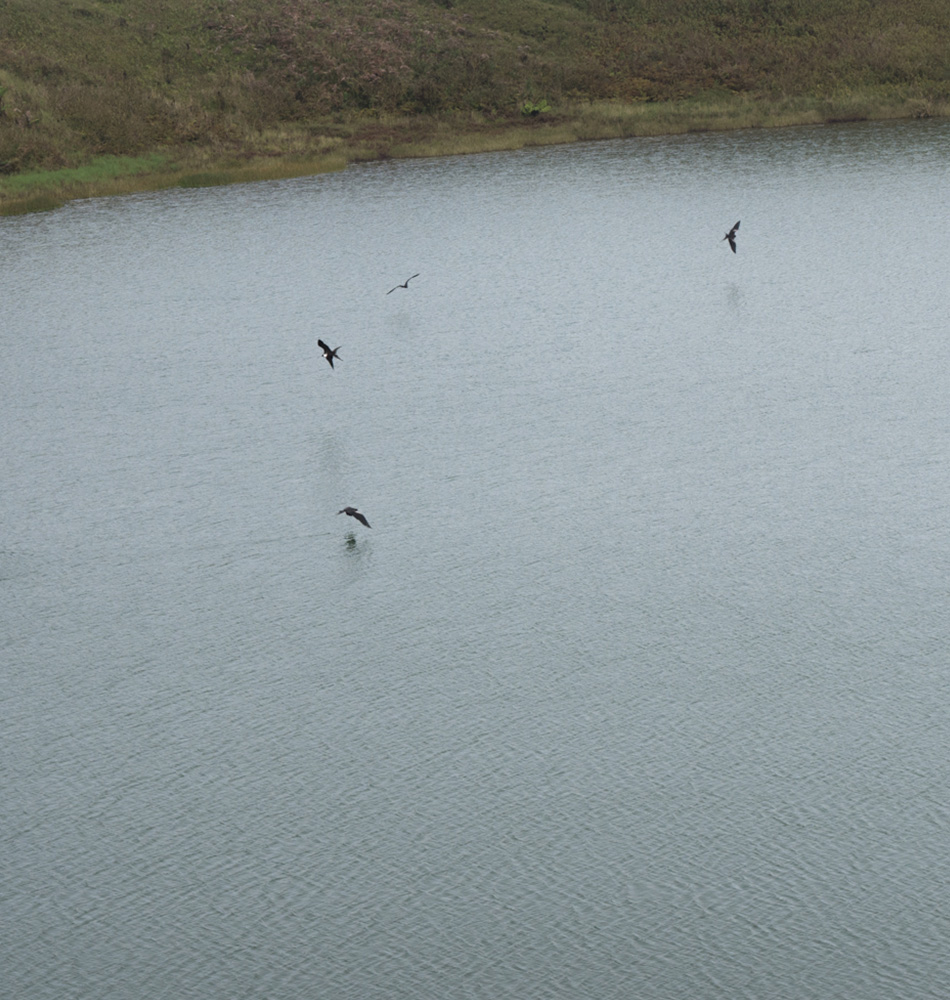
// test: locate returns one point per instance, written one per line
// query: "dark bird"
(405, 284)
(731, 237)
(328, 352)
(353, 512)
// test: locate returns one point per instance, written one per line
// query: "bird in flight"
(731, 237)
(328, 352)
(353, 512)
(405, 284)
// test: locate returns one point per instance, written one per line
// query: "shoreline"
(331, 146)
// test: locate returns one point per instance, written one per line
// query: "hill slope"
(215, 81)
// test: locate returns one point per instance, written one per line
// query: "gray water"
(638, 685)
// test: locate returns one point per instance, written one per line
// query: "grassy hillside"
(112, 94)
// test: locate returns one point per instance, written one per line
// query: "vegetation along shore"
(110, 96)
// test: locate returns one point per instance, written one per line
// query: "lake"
(639, 684)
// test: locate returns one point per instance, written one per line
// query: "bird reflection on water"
(355, 560)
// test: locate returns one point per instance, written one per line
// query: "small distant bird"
(353, 512)
(405, 284)
(329, 352)
(731, 237)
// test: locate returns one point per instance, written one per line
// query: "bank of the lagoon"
(108, 97)
(394, 137)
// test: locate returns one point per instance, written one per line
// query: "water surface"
(637, 687)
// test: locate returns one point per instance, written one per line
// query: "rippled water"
(638, 685)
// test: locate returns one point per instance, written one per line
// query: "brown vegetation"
(206, 84)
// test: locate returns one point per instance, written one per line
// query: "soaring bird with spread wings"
(353, 512)
(731, 237)
(405, 284)
(328, 352)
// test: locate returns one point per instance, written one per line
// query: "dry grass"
(210, 91)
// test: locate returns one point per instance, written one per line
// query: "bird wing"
(735, 227)
(353, 512)
(414, 276)
(732, 243)
(323, 347)
(391, 290)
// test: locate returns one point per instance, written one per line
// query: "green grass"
(43, 190)
(101, 169)
(105, 96)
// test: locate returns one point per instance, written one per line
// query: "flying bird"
(353, 512)
(731, 237)
(328, 352)
(405, 284)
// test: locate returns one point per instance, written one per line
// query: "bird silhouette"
(328, 352)
(731, 237)
(353, 512)
(405, 284)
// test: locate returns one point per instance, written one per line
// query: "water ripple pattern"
(637, 687)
